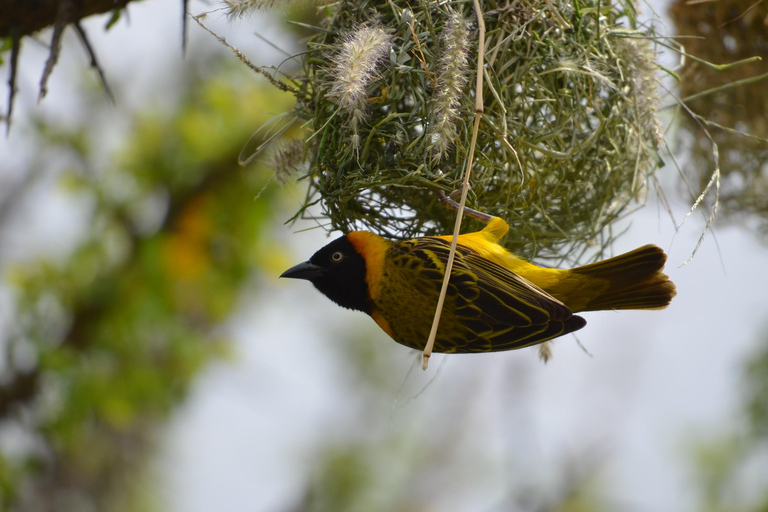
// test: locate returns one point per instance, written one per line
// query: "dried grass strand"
(464, 188)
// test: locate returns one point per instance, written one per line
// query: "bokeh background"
(150, 359)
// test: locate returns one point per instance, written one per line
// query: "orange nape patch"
(373, 249)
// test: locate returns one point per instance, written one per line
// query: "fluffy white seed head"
(642, 58)
(354, 68)
(288, 160)
(452, 77)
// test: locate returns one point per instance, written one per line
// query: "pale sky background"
(248, 434)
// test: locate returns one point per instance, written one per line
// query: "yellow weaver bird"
(495, 300)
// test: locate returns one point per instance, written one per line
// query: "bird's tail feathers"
(635, 280)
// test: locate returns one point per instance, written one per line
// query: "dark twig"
(452, 204)
(15, 49)
(184, 31)
(94, 62)
(63, 17)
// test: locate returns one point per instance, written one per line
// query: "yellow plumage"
(630, 281)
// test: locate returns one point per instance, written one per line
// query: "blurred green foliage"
(756, 392)
(410, 472)
(107, 340)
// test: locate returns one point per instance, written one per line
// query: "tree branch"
(23, 18)
(15, 49)
(63, 16)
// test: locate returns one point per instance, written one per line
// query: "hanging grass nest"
(566, 143)
(732, 105)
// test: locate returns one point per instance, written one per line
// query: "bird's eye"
(337, 256)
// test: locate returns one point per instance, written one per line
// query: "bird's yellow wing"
(488, 308)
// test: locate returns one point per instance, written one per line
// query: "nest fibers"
(567, 141)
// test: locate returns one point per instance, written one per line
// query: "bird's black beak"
(306, 270)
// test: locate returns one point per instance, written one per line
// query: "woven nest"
(567, 140)
(736, 115)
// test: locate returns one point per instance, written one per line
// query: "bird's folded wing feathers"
(497, 292)
(497, 309)
(491, 307)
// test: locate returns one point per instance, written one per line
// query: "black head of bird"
(338, 271)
